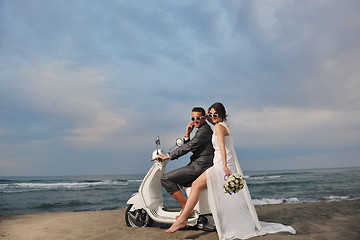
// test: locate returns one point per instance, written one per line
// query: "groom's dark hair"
(199, 109)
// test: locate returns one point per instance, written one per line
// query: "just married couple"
(213, 158)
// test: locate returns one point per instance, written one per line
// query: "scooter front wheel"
(137, 218)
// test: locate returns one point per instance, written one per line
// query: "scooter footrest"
(154, 212)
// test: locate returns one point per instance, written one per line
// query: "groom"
(202, 158)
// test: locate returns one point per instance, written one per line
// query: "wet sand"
(322, 220)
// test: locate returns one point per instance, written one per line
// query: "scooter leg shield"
(136, 202)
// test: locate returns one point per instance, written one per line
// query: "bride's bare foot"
(176, 226)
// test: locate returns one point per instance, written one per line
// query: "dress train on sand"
(234, 215)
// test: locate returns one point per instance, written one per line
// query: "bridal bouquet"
(234, 183)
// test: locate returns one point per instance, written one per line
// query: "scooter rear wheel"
(137, 218)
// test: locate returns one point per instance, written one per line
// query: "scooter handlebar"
(156, 159)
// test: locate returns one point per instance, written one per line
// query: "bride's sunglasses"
(197, 118)
(215, 115)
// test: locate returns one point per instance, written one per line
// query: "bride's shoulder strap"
(226, 126)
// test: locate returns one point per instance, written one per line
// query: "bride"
(234, 215)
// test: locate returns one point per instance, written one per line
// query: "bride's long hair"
(220, 109)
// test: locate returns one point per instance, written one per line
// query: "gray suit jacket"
(201, 147)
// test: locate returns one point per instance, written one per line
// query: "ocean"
(20, 195)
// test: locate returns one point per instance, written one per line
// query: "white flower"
(234, 184)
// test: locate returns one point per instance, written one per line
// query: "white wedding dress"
(234, 215)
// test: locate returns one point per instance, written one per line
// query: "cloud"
(298, 127)
(12, 168)
(296, 138)
(288, 66)
(104, 125)
(99, 80)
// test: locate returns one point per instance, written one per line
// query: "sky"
(86, 86)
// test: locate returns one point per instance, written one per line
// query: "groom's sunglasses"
(197, 118)
(215, 115)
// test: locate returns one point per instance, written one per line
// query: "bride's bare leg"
(196, 188)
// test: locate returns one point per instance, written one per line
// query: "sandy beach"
(322, 220)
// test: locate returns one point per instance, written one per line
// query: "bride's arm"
(221, 132)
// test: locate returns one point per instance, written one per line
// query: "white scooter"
(146, 206)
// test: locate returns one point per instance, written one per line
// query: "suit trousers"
(182, 176)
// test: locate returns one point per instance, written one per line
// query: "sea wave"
(2, 181)
(135, 180)
(335, 198)
(46, 186)
(264, 177)
(280, 183)
(278, 174)
(100, 192)
(267, 201)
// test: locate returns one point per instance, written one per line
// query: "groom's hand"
(161, 158)
(189, 129)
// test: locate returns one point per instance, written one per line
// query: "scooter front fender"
(136, 202)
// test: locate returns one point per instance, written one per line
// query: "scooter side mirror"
(157, 141)
(179, 142)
